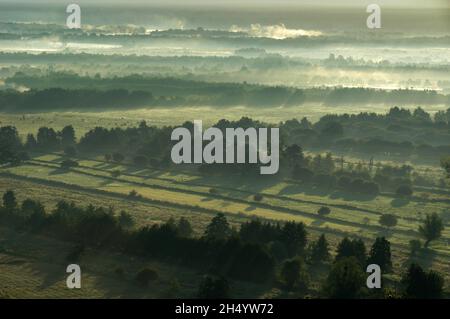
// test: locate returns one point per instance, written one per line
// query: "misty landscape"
(86, 175)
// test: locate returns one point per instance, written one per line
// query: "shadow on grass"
(323, 192)
(317, 222)
(424, 257)
(303, 189)
(399, 202)
(106, 166)
(385, 232)
(59, 171)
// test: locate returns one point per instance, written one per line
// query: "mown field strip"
(343, 212)
(345, 219)
(189, 178)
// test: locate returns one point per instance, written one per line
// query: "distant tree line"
(181, 92)
(71, 99)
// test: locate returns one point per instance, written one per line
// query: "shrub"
(69, 163)
(134, 195)
(117, 157)
(388, 220)
(145, 276)
(404, 190)
(258, 197)
(432, 228)
(125, 220)
(323, 211)
(116, 173)
(345, 279)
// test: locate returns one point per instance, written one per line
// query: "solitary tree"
(68, 163)
(388, 220)
(352, 248)
(294, 154)
(294, 237)
(323, 211)
(345, 279)
(67, 136)
(9, 200)
(184, 228)
(319, 250)
(380, 254)
(432, 228)
(404, 190)
(294, 275)
(218, 228)
(118, 157)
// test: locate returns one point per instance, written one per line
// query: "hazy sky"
(396, 3)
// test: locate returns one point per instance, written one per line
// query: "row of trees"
(64, 99)
(321, 171)
(152, 145)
